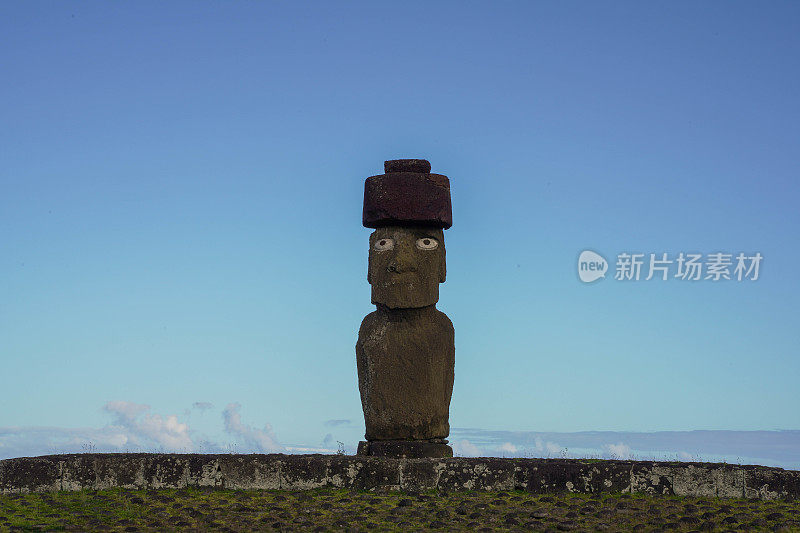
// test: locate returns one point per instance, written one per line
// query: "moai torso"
(405, 351)
(406, 361)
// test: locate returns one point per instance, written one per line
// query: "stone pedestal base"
(410, 449)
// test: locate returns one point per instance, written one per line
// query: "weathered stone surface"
(81, 474)
(695, 478)
(652, 478)
(122, 470)
(30, 474)
(299, 472)
(165, 472)
(421, 474)
(406, 266)
(607, 476)
(729, 482)
(412, 449)
(248, 471)
(468, 474)
(771, 483)
(303, 472)
(565, 475)
(201, 471)
(407, 198)
(363, 473)
(406, 363)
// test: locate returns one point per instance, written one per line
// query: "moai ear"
(369, 273)
(442, 267)
(369, 253)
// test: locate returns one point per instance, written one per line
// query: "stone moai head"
(406, 265)
(409, 208)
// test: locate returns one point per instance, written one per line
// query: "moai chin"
(406, 351)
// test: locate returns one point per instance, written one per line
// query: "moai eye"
(427, 243)
(384, 244)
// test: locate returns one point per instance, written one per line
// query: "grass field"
(346, 510)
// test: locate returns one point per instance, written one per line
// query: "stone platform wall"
(301, 472)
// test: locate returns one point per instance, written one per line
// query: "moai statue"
(406, 351)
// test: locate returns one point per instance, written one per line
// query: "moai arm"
(448, 378)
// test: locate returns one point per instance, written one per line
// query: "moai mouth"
(406, 351)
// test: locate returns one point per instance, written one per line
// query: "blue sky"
(180, 215)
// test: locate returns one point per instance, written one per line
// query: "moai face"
(406, 265)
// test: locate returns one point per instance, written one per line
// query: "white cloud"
(133, 428)
(779, 448)
(551, 448)
(32, 441)
(618, 451)
(260, 440)
(508, 447)
(140, 427)
(304, 449)
(137, 428)
(465, 448)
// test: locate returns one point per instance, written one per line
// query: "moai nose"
(403, 261)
